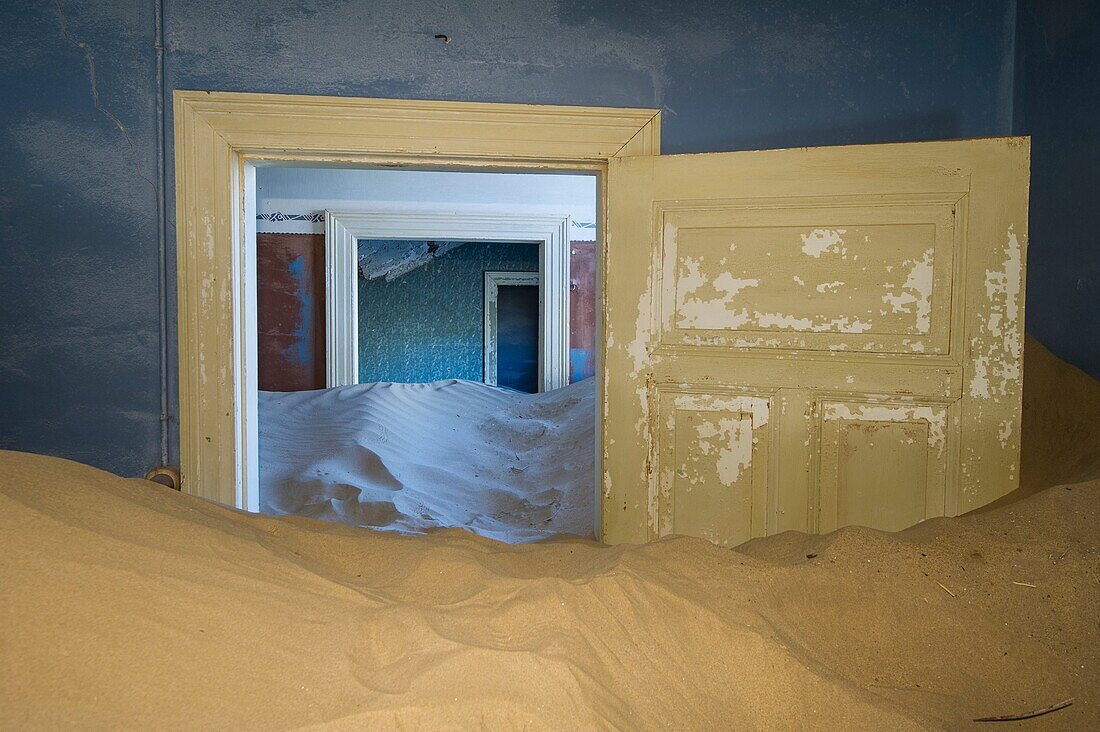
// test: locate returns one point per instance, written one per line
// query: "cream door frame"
(220, 137)
(344, 229)
(493, 282)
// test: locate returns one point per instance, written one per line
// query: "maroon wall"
(582, 310)
(290, 311)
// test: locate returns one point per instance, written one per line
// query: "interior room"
(561, 365)
(451, 348)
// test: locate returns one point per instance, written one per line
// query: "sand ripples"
(413, 457)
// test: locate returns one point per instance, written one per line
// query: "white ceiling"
(296, 197)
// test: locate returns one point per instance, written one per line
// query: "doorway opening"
(426, 345)
(510, 357)
(446, 318)
(222, 139)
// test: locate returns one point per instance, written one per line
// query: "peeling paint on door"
(820, 241)
(916, 294)
(997, 346)
(816, 337)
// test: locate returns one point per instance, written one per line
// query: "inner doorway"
(511, 354)
(426, 313)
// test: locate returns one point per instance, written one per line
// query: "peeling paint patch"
(835, 325)
(820, 241)
(758, 407)
(915, 296)
(825, 287)
(996, 346)
(695, 310)
(731, 285)
(638, 348)
(736, 451)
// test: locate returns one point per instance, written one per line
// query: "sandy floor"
(126, 604)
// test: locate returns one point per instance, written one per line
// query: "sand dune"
(126, 604)
(411, 457)
(1061, 425)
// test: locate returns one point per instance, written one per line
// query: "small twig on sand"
(945, 589)
(1028, 715)
(1024, 584)
(1062, 555)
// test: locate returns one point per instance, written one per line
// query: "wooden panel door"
(804, 339)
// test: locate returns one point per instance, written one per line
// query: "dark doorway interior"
(518, 337)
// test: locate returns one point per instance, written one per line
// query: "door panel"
(794, 273)
(857, 310)
(882, 464)
(711, 462)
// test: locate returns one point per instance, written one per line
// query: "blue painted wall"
(428, 324)
(80, 339)
(79, 266)
(1058, 82)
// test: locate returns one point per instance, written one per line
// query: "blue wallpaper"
(428, 323)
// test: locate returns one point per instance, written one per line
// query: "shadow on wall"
(936, 125)
(1061, 425)
(1058, 93)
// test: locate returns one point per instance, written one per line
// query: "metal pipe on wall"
(162, 230)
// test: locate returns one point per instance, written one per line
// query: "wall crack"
(90, 56)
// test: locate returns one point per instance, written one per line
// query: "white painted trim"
(248, 493)
(493, 282)
(341, 302)
(344, 229)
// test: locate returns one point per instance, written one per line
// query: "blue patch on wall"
(300, 352)
(582, 362)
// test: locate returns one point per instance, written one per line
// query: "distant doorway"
(417, 236)
(511, 352)
(432, 310)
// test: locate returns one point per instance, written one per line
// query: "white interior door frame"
(493, 282)
(344, 229)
